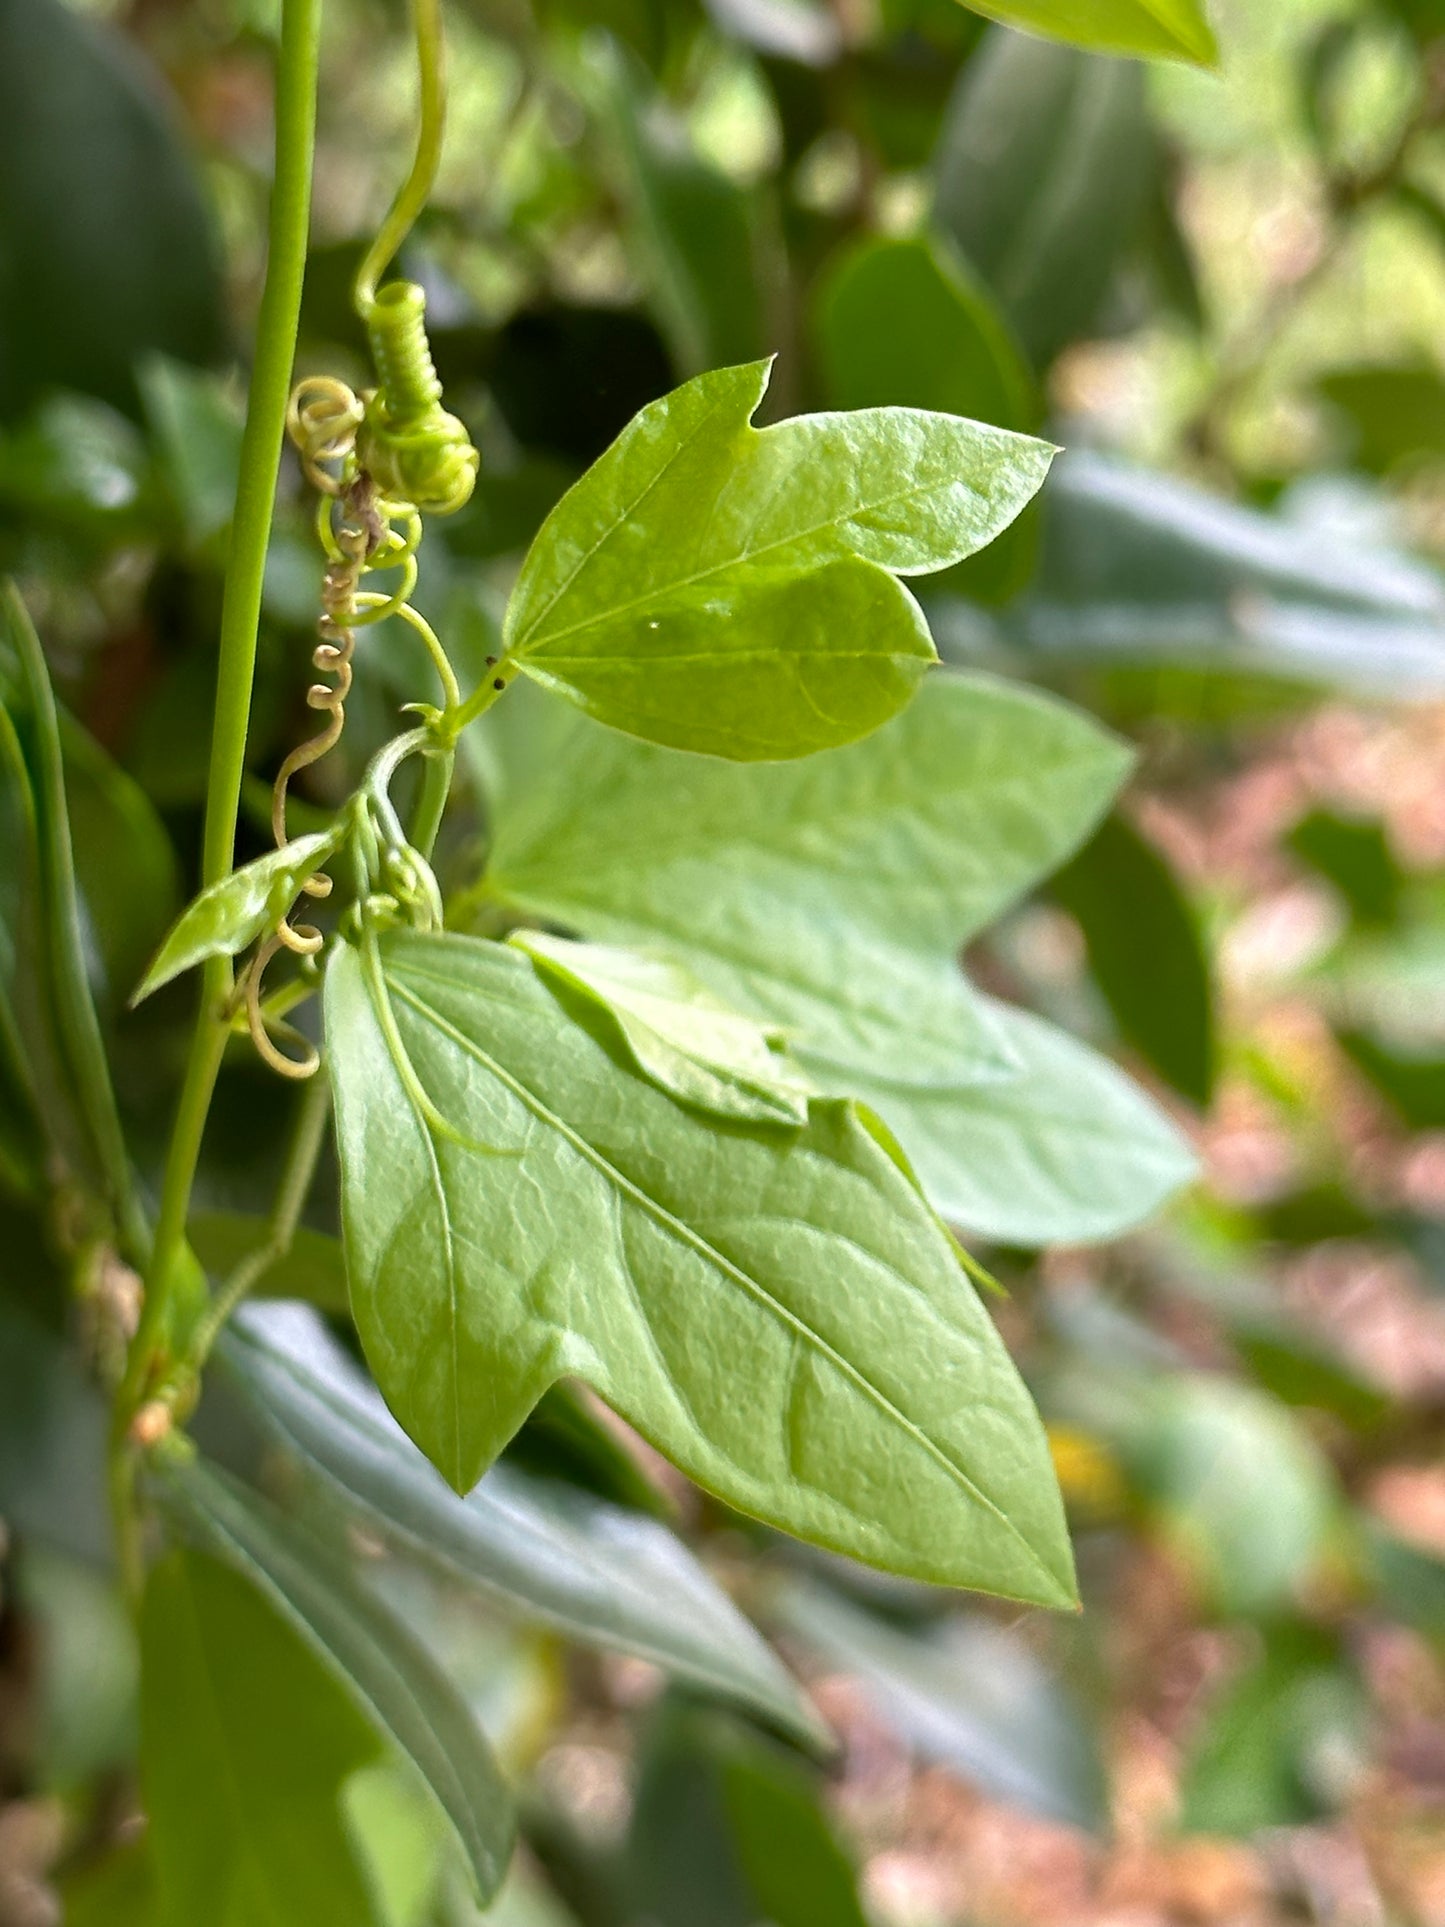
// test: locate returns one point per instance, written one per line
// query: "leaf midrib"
(743, 558)
(686, 1235)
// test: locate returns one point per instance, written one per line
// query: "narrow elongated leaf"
(972, 1697)
(718, 588)
(1042, 176)
(548, 1550)
(680, 1035)
(391, 1679)
(777, 1311)
(231, 914)
(832, 898)
(1154, 29)
(246, 1746)
(1138, 567)
(63, 958)
(1146, 952)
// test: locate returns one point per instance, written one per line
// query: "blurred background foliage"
(1226, 297)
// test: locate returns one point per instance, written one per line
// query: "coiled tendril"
(379, 461)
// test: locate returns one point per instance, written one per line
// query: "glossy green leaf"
(229, 916)
(542, 1548)
(1152, 29)
(724, 589)
(1284, 1742)
(681, 1036)
(831, 898)
(776, 1311)
(390, 1680)
(1146, 953)
(246, 1745)
(970, 1696)
(905, 323)
(107, 237)
(1041, 179)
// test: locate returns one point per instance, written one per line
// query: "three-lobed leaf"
(720, 588)
(776, 1310)
(229, 915)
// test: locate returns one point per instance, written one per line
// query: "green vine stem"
(289, 229)
(417, 187)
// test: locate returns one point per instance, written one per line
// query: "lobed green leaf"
(776, 1311)
(729, 590)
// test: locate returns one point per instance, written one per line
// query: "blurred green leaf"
(682, 1037)
(125, 863)
(699, 547)
(86, 1669)
(1409, 1581)
(52, 1430)
(1298, 1369)
(902, 323)
(1155, 29)
(247, 1743)
(313, 1269)
(1139, 567)
(970, 1696)
(1042, 176)
(120, 1892)
(1393, 413)
(542, 1548)
(1354, 854)
(1146, 954)
(61, 960)
(708, 245)
(727, 1832)
(1282, 1745)
(393, 1686)
(105, 235)
(196, 421)
(1409, 1075)
(1238, 1485)
(815, 1405)
(79, 463)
